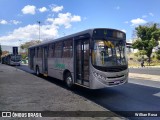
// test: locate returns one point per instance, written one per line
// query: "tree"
(5, 52)
(147, 38)
(26, 45)
(158, 54)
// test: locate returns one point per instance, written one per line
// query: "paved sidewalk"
(144, 67)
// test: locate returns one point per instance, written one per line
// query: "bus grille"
(115, 77)
(118, 69)
(112, 69)
(15, 60)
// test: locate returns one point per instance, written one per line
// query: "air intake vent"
(112, 69)
(118, 69)
(115, 77)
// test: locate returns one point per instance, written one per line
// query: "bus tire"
(37, 71)
(69, 80)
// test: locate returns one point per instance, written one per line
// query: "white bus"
(94, 58)
(11, 59)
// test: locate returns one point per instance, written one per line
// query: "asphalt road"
(137, 95)
(145, 70)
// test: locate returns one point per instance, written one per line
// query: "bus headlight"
(99, 76)
(95, 74)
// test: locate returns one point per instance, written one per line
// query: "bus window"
(51, 50)
(58, 50)
(67, 49)
(37, 52)
(40, 52)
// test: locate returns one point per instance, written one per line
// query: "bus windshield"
(108, 53)
(16, 58)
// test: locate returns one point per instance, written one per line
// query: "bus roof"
(72, 35)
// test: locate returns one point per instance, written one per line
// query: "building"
(9, 48)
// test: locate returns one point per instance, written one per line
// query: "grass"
(134, 61)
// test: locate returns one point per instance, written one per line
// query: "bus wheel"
(69, 80)
(37, 71)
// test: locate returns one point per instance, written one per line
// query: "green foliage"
(158, 54)
(153, 56)
(148, 36)
(142, 52)
(136, 54)
(26, 45)
(156, 35)
(24, 55)
(138, 44)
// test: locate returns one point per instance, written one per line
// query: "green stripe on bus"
(60, 66)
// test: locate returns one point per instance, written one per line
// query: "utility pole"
(39, 22)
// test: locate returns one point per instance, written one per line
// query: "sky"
(19, 18)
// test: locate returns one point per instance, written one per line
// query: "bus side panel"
(56, 67)
(51, 71)
(68, 65)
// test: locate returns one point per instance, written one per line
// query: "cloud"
(56, 8)
(15, 22)
(43, 9)
(117, 7)
(29, 32)
(151, 14)
(144, 16)
(85, 18)
(47, 31)
(64, 19)
(75, 18)
(3, 22)
(124, 30)
(137, 21)
(29, 9)
(126, 22)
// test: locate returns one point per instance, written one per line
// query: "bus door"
(82, 61)
(45, 60)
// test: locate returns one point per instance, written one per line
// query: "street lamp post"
(20, 46)
(39, 22)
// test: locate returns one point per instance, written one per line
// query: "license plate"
(116, 82)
